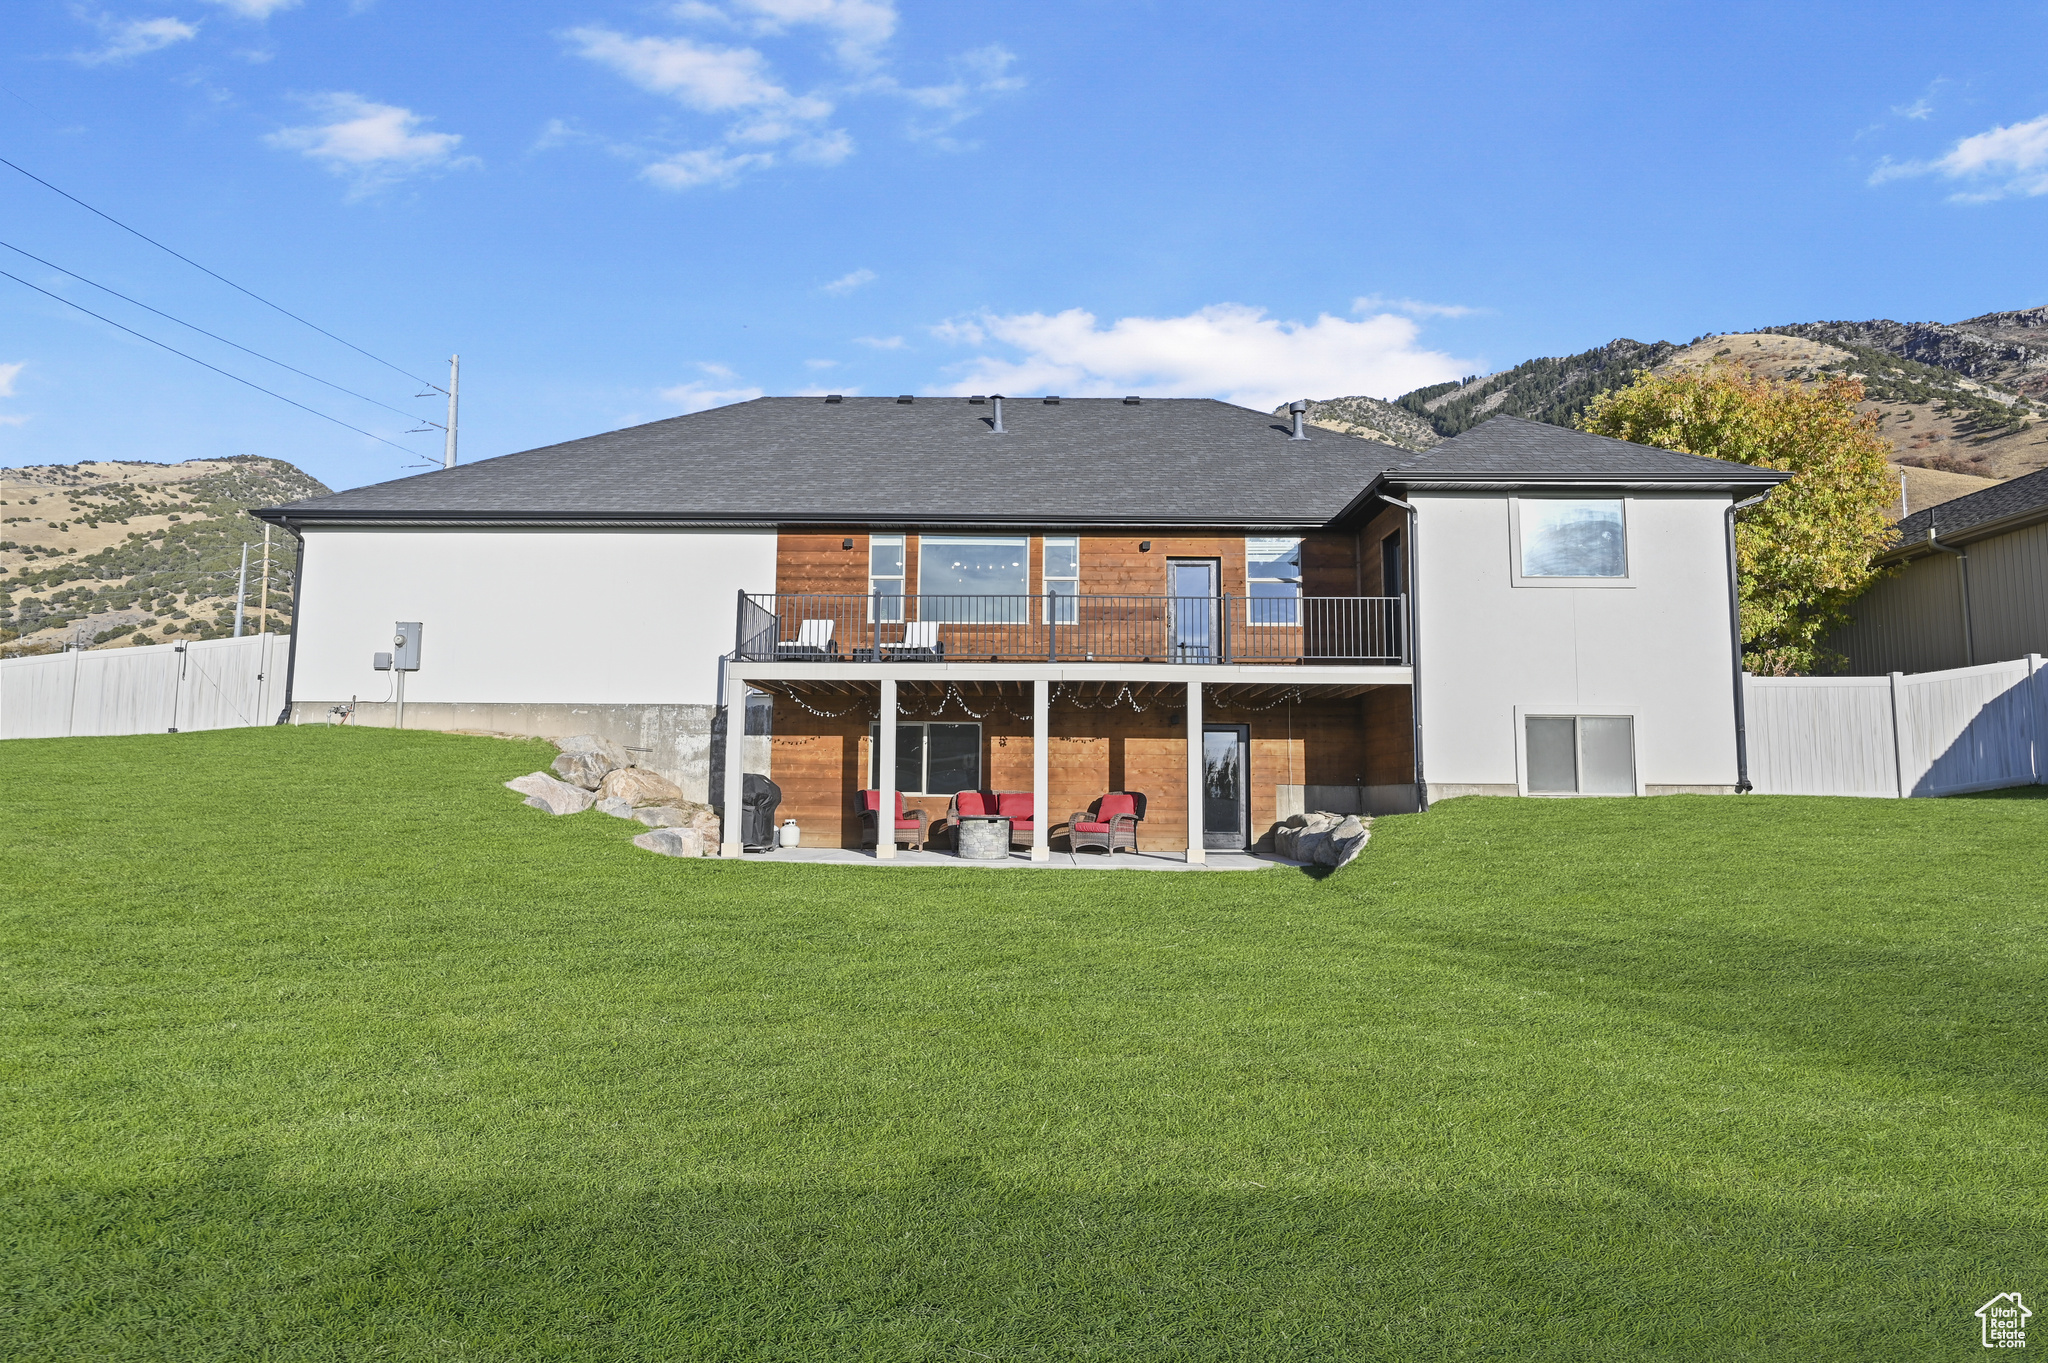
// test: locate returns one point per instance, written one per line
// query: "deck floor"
(1020, 860)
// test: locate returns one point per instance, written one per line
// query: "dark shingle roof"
(935, 461)
(1514, 450)
(2019, 500)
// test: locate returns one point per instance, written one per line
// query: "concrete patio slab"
(1021, 861)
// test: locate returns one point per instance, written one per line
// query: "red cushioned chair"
(1111, 822)
(909, 827)
(1020, 809)
(970, 803)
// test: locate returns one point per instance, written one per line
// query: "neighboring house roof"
(936, 461)
(2008, 506)
(1513, 451)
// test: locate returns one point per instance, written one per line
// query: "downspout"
(1962, 570)
(1742, 786)
(1414, 656)
(291, 663)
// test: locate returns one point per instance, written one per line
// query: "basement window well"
(1581, 755)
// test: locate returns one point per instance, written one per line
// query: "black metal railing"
(844, 627)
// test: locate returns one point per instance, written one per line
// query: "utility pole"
(263, 611)
(454, 387)
(242, 589)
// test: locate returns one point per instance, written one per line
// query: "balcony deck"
(1223, 631)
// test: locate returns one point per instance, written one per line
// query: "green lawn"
(319, 1045)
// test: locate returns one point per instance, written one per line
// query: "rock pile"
(595, 772)
(1321, 839)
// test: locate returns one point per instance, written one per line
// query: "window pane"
(885, 556)
(1573, 539)
(1392, 565)
(1607, 750)
(954, 569)
(954, 762)
(1277, 559)
(909, 757)
(1553, 761)
(1062, 557)
(1221, 783)
(1064, 610)
(890, 607)
(1273, 603)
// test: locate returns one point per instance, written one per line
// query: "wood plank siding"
(820, 760)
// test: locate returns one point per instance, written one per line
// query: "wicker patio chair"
(1110, 823)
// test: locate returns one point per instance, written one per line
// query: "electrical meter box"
(405, 646)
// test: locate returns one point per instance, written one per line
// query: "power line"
(204, 332)
(204, 365)
(221, 277)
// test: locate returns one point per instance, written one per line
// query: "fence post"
(1899, 736)
(1052, 649)
(1226, 627)
(2037, 719)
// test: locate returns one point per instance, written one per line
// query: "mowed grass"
(319, 1045)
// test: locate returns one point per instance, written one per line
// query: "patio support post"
(1195, 854)
(885, 772)
(729, 829)
(1041, 740)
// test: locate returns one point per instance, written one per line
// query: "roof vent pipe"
(1300, 409)
(997, 399)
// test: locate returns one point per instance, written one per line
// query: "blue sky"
(622, 211)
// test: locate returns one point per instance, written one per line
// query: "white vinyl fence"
(1927, 733)
(205, 684)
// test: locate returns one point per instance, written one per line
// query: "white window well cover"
(1573, 538)
(1581, 755)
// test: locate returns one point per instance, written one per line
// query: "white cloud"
(821, 364)
(858, 27)
(1410, 307)
(2008, 160)
(880, 342)
(695, 396)
(20, 420)
(770, 122)
(8, 374)
(707, 166)
(127, 38)
(847, 283)
(375, 144)
(255, 9)
(1917, 110)
(1226, 351)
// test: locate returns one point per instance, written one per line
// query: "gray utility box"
(381, 661)
(405, 645)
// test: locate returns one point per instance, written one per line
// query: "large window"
(1572, 538)
(974, 579)
(1272, 581)
(931, 759)
(885, 576)
(1581, 755)
(1062, 577)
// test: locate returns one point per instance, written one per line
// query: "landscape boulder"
(1320, 838)
(587, 759)
(703, 819)
(672, 842)
(543, 791)
(617, 808)
(641, 787)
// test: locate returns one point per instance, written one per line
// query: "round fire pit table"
(982, 837)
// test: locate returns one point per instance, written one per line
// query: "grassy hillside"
(117, 553)
(330, 1049)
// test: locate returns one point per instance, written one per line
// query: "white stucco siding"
(1656, 650)
(529, 617)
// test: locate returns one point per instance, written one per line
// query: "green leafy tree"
(1805, 553)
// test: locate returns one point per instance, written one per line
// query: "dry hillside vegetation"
(110, 553)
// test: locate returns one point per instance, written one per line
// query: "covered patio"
(1069, 734)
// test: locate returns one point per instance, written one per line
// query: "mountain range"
(1962, 404)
